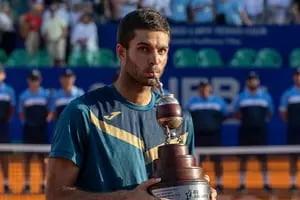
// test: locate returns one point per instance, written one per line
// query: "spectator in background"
(277, 11)
(202, 11)
(255, 10)
(208, 112)
(7, 30)
(179, 11)
(290, 113)
(30, 25)
(66, 93)
(7, 107)
(231, 12)
(84, 38)
(253, 107)
(55, 31)
(34, 106)
(163, 7)
(125, 7)
(295, 12)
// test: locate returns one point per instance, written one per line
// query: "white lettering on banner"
(294, 99)
(226, 87)
(35, 102)
(254, 102)
(4, 97)
(205, 106)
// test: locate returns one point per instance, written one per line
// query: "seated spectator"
(30, 25)
(296, 12)
(202, 11)
(125, 7)
(7, 30)
(55, 32)
(231, 12)
(84, 38)
(179, 11)
(278, 11)
(255, 10)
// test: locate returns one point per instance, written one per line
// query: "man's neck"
(133, 92)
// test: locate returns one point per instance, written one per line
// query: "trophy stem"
(168, 133)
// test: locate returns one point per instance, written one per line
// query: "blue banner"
(226, 82)
(226, 39)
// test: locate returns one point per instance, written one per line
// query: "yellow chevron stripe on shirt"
(116, 132)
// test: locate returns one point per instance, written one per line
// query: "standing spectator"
(126, 6)
(34, 113)
(290, 112)
(7, 30)
(179, 11)
(30, 24)
(7, 107)
(66, 93)
(55, 33)
(278, 11)
(232, 12)
(253, 107)
(208, 112)
(84, 38)
(295, 12)
(255, 10)
(202, 11)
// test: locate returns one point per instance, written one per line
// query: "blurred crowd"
(65, 27)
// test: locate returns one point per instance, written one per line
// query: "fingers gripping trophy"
(182, 179)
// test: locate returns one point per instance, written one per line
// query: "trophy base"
(185, 190)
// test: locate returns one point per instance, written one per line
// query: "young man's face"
(297, 79)
(67, 81)
(2, 76)
(146, 56)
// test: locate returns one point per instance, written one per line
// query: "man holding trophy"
(115, 142)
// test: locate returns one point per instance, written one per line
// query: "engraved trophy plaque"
(181, 178)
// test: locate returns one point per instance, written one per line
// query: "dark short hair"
(140, 19)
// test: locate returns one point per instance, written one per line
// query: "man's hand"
(213, 195)
(141, 191)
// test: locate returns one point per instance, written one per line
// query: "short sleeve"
(70, 136)
(236, 105)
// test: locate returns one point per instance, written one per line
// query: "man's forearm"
(71, 193)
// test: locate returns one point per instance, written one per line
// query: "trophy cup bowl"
(181, 178)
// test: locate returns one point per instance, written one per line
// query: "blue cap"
(34, 74)
(68, 72)
(252, 75)
(203, 83)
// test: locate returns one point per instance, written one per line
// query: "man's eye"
(162, 51)
(143, 49)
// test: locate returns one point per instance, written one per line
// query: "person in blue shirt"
(66, 93)
(290, 114)
(105, 141)
(208, 112)
(7, 107)
(202, 11)
(34, 106)
(253, 107)
(179, 11)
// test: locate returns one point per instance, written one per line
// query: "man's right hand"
(141, 191)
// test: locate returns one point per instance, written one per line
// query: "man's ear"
(121, 51)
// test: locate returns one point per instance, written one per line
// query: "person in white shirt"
(55, 31)
(278, 11)
(7, 30)
(84, 38)
(255, 10)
